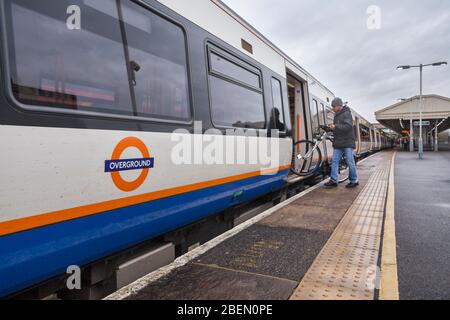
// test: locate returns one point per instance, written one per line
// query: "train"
(102, 104)
(370, 137)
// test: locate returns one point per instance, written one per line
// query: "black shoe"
(352, 185)
(331, 184)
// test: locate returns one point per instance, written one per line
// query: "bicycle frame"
(315, 143)
(323, 137)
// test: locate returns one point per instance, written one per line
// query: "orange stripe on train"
(45, 219)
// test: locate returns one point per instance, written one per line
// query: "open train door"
(298, 108)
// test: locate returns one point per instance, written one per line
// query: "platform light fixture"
(421, 66)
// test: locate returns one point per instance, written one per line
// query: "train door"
(314, 113)
(357, 137)
(301, 124)
(375, 132)
(323, 122)
(379, 140)
(366, 139)
(372, 141)
(329, 119)
(296, 94)
(375, 135)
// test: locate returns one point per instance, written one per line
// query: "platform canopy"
(435, 112)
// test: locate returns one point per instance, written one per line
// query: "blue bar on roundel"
(129, 164)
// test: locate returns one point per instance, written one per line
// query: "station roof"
(435, 110)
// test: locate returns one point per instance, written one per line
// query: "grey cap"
(337, 102)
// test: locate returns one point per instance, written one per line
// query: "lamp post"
(421, 66)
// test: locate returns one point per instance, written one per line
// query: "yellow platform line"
(345, 269)
(389, 273)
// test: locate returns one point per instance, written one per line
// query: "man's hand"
(332, 126)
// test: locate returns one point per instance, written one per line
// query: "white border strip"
(143, 282)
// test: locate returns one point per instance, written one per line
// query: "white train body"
(92, 93)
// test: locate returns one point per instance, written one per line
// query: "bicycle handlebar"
(326, 128)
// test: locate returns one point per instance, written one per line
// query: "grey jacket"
(344, 134)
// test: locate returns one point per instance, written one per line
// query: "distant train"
(369, 139)
(92, 91)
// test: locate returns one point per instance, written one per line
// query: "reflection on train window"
(157, 49)
(330, 116)
(323, 117)
(277, 120)
(236, 106)
(229, 69)
(122, 60)
(314, 115)
(234, 103)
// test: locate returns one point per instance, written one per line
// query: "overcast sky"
(331, 40)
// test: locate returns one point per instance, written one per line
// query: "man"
(344, 143)
(405, 144)
(275, 122)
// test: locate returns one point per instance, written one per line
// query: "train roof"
(269, 43)
(186, 8)
(360, 117)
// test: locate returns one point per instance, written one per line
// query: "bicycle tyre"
(305, 145)
(343, 166)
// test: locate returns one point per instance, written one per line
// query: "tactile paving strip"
(346, 268)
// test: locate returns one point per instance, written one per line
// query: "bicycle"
(307, 156)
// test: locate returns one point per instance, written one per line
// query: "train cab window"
(277, 120)
(236, 94)
(101, 56)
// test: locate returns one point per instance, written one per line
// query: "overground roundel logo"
(116, 164)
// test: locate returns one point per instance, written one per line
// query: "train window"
(158, 64)
(277, 120)
(230, 69)
(97, 56)
(235, 103)
(323, 116)
(236, 106)
(365, 134)
(314, 115)
(330, 116)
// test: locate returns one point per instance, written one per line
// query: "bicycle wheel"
(306, 158)
(343, 170)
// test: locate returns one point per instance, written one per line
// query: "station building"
(401, 116)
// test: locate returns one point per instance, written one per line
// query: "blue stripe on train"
(30, 257)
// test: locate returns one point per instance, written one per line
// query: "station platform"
(323, 244)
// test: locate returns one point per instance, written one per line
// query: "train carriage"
(108, 110)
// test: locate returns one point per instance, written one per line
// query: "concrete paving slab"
(274, 251)
(198, 282)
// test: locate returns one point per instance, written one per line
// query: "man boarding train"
(344, 144)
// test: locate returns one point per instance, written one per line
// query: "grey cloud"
(330, 39)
